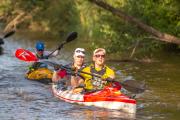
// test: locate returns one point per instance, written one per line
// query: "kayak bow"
(43, 75)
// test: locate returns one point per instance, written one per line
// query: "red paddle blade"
(25, 55)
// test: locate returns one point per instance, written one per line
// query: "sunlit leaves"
(160, 14)
(4, 7)
(97, 26)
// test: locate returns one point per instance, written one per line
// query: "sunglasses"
(79, 51)
(40, 50)
(98, 56)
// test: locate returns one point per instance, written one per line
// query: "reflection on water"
(162, 98)
(29, 100)
(107, 115)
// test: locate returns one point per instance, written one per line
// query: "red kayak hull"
(110, 98)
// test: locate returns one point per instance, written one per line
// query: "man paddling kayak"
(77, 64)
(98, 67)
(41, 55)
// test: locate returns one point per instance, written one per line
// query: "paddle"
(29, 56)
(6, 36)
(71, 36)
(130, 85)
(25, 55)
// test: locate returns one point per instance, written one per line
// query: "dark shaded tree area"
(157, 20)
(99, 27)
(160, 36)
(39, 15)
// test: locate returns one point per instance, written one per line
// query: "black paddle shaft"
(9, 34)
(5, 36)
(71, 36)
(130, 85)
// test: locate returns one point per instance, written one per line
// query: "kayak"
(43, 75)
(109, 97)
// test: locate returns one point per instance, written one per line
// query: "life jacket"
(70, 73)
(71, 65)
(97, 82)
(41, 57)
(36, 65)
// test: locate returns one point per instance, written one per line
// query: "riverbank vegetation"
(118, 25)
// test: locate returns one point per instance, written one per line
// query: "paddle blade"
(133, 86)
(9, 34)
(25, 55)
(71, 36)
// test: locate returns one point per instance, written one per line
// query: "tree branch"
(162, 36)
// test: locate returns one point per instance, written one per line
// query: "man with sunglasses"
(41, 54)
(77, 64)
(98, 67)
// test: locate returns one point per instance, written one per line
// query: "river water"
(21, 99)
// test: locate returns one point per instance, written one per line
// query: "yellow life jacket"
(92, 82)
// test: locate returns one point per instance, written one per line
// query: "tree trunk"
(158, 35)
(12, 24)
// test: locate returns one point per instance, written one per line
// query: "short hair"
(98, 50)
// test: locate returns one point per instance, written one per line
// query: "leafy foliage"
(49, 16)
(121, 36)
(97, 26)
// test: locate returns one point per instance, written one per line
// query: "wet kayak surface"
(30, 100)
